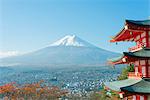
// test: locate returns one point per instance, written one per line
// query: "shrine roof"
(116, 60)
(131, 29)
(140, 87)
(117, 85)
(143, 53)
(139, 22)
(130, 85)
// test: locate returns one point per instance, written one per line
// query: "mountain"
(71, 40)
(68, 51)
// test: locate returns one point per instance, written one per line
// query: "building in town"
(137, 86)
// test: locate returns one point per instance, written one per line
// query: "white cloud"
(4, 54)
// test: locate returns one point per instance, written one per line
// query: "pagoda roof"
(143, 53)
(142, 86)
(131, 85)
(139, 22)
(117, 85)
(130, 56)
(131, 29)
(116, 60)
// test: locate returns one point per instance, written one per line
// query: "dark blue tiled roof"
(141, 87)
(143, 53)
(139, 22)
(130, 85)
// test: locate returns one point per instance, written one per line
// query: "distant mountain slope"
(70, 50)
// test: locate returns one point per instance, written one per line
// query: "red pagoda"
(137, 86)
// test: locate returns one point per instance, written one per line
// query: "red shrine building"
(137, 86)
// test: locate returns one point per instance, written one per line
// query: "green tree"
(124, 73)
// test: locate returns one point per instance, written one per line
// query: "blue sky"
(27, 25)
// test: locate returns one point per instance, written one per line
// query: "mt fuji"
(71, 40)
(68, 51)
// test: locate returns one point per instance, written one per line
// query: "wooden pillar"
(147, 39)
(145, 97)
(137, 97)
(141, 97)
(139, 67)
(147, 68)
(147, 45)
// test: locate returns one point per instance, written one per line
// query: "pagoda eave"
(129, 57)
(138, 25)
(131, 30)
(126, 35)
(116, 61)
(130, 85)
(143, 53)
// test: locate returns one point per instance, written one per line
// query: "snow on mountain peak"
(71, 40)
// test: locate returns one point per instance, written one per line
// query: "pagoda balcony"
(137, 47)
(134, 75)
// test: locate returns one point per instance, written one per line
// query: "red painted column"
(147, 39)
(145, 97)
(147, 45)
(146, 67)
(139, 67)
(137, 97)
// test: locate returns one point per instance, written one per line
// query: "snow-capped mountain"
(71, 40)
(68, 51)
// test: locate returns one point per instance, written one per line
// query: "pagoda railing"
(137, 47)
(134, 75)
